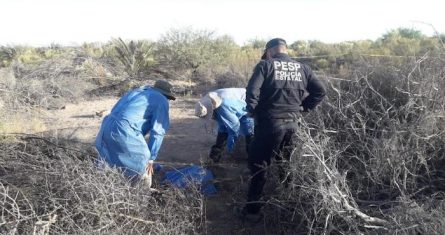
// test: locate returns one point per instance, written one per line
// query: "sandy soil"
(187, 142)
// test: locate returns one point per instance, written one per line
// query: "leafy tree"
(184, 48)
(404, 33)
(188, 48)
(401, 42)
(256, 43)
(300, 47)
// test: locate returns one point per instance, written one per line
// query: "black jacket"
(278, 86)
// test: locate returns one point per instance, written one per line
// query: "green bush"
(194, 53)
(136, 56)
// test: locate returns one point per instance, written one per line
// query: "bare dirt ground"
(187, 142)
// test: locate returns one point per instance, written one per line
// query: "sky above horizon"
(72, 22)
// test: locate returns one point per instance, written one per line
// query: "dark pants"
(221, 140)
(274, 138)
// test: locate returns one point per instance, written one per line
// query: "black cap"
(272, 43)
(165, 88)
(275, 42)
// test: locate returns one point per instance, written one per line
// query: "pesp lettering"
(288, 71)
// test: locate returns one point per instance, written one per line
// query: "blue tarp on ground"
(183, 177)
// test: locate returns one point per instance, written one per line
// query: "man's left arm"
(253, 87)
(160, 125)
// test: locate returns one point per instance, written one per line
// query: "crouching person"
(228, 108)
(121, 139)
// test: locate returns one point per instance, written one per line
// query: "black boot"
(218, 148)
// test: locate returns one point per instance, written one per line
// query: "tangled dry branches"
(372, 156)
(49, 189)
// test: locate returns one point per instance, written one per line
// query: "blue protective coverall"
(232, 119)
(120, 141)
(232, 93)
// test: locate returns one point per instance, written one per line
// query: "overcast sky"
(67, 22)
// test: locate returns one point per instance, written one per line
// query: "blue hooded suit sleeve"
(160, 124)
(232, 124)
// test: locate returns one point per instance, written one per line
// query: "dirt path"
(187, 142)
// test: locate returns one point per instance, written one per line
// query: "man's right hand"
(147, 178)
(150, 167)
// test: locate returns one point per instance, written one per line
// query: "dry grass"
(21, 123)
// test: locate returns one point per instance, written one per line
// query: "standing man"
(275, 96)
(121, 139)
(227, 107)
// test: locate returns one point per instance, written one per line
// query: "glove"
(147, 178)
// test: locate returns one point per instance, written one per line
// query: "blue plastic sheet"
(183, 177)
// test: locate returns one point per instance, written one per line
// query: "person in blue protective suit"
(121, 139)
(228, 108)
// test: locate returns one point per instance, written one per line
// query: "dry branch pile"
(51, 188)
(373, 155)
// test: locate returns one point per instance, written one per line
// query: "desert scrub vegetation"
(373, 153)
(52, 81)
(135, 56)
(49, 187)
